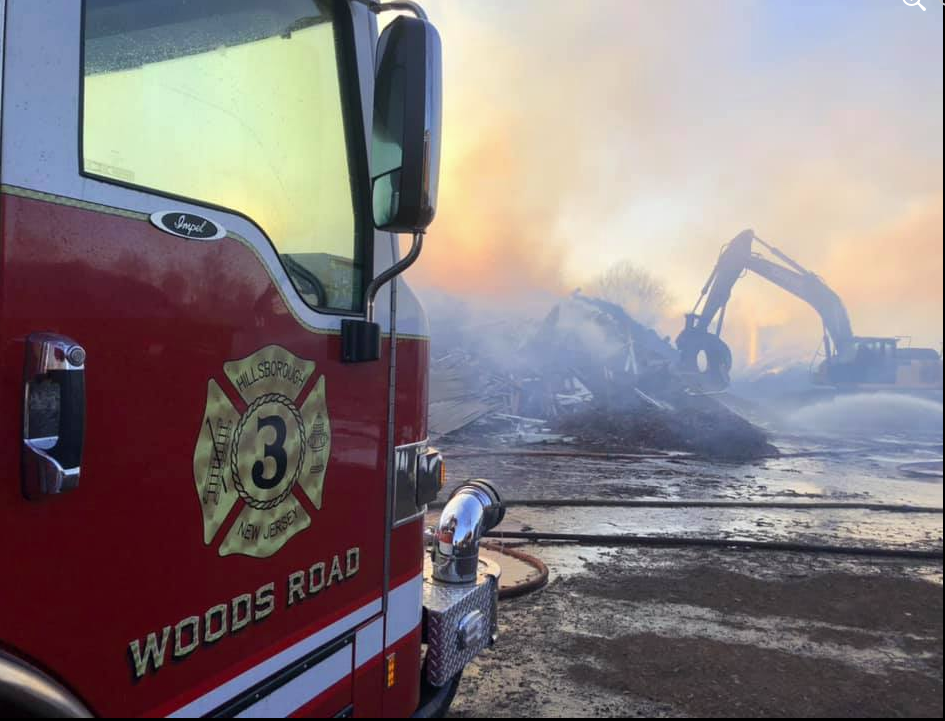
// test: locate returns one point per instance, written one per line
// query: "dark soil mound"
(698, 424)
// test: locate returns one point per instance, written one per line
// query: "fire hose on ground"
(613, 539)
(644, 455)
(527, 586)
(598, 539)
(699, 503)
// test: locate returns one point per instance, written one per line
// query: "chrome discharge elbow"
(473, 509)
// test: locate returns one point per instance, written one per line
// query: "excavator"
(849, 362)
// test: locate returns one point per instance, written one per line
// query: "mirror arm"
(404, 5)
(396, 269)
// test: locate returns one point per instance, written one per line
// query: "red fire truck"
(214, 444)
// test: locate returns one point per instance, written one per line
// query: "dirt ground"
(712, 632)
(662, 632)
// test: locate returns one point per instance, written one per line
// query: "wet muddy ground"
(692, 631)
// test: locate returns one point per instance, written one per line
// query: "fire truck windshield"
(240, 104)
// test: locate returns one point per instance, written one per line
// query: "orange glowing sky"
(579, 134)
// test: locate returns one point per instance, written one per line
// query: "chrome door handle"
(53, 414)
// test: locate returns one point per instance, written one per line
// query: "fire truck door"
(194, 485)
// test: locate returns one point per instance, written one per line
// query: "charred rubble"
(587, 373)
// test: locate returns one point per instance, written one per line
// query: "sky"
(579, 134)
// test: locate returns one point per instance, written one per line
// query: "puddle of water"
(822, 526)
(514, 571)
(885, 469)
(922, 470)
(567, 560)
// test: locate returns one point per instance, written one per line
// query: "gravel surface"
(683, 632)
(715, 633)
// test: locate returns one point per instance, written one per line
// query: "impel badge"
(263, 455)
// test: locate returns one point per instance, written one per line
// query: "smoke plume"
(579, 135)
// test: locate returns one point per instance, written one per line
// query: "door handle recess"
(53, 415)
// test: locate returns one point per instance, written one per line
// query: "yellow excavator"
(849, 362)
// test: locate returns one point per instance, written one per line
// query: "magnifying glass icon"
(913, 3)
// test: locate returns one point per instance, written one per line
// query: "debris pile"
(463, 389)
(587, 372)
(695, 423)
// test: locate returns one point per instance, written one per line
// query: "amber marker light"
(391, 670)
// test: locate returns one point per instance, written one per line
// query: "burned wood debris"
(586, 373)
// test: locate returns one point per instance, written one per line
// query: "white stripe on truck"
(403, 616)
(303, 688)
(404, 609)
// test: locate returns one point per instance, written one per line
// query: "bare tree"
(643, 295)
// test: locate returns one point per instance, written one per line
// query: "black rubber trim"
(279, 679)
(435, 702)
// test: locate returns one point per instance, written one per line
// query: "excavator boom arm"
(817, 294)
(849, 359)
(737, 257)
(718, 288)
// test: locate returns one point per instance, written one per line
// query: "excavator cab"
(880, 364)
(873, 361)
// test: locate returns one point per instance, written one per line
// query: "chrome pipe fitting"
(473, 509)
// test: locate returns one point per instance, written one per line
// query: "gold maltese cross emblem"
(261, 451)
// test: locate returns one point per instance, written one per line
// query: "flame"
(753, 343)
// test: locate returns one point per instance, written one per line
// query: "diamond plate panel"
(446, 605)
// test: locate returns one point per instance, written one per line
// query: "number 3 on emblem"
(275, 450)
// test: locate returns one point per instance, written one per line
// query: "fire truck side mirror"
(405, 157)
